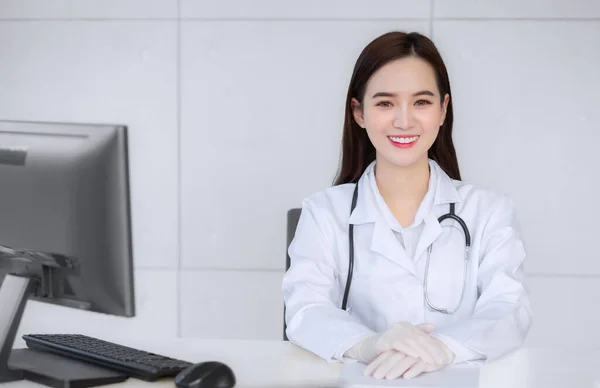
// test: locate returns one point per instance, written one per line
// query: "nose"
(403, 117)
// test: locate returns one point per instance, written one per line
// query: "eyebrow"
(388, 94)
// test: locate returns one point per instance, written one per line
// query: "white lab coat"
(387, 285)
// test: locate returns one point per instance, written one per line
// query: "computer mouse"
(210, 374)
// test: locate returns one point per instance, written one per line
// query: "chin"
(401, 161)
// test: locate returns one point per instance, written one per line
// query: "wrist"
(450, 356)
(367, 348)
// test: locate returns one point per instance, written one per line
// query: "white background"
(235, 111)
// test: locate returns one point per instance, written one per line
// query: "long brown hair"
(357, 150)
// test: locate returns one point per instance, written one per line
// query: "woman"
(399, 173)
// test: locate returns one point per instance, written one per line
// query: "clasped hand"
(404, 350)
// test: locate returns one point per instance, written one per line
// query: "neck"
(402, 186)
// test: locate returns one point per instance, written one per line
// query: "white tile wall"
(564, 311)
(234, 95)
(305, 9)
(108, 72)
(88, 9)
(156, 314)
(525, 124)
(261, 135)
(512, 9)
(232, 304)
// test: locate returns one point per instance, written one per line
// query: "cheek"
(429, 121)
(378, 121)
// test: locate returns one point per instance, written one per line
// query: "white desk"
(267, 364)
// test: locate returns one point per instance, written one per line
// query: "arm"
(312, 294)
(502, 315)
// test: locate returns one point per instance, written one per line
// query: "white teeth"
(404, 140)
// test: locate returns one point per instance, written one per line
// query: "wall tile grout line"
(431, 18)
(179, 185)
(76, 19)
(307, 19)
(515, 19)
(216, 20)
(557, 275)
(282, 270)
(215, 269)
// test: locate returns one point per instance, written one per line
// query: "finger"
(376, 362)
(426, 344)
(432, 367)
(434, 352)
(415, 370)
(426, 327)
(410, 348)
(388, 365)
(401, 367)
(449, 355)
(422, 347)
(431, 346)
(440, 354)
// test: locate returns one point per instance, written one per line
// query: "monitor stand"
(38, 366)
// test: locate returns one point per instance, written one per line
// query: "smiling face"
(402, 111)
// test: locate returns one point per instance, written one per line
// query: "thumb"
(426, 327)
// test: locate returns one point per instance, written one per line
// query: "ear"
(357, 112)
(444, 108)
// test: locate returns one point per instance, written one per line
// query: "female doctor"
(401, 265)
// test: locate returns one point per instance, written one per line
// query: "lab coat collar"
(366, 210)
(445, 193)
(383, 240)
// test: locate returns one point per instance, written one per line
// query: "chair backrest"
(293, 216)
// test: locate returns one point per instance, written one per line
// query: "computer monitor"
(65, 224)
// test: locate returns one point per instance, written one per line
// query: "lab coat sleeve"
(312, 295)
(502, 315)
(461, 352)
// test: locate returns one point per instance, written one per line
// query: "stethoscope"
(451, 215)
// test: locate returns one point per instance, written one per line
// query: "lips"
(405, 141)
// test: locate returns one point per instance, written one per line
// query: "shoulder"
(330, 206)
(483, 197)
(331, 200)
(493, 210)
(471, 196)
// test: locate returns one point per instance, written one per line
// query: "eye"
(423, 102)
(384, 103)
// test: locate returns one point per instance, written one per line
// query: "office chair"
(293, 215)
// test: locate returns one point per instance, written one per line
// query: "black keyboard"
(133, 362)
